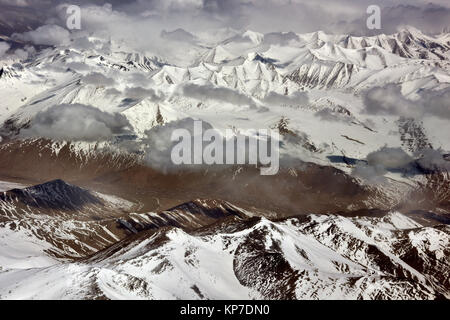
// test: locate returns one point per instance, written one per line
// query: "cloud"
(429, 18)
(431, 159)
(389, 100)
(386, 159)
(141, 93)
(98, 79)
(158, 153)
(3, 48)
(178, 35)
(154, 16)
(436, 103)
(369, 174)
(77, 66)
(135, 94)
(19, 3)
(24, 53)
(138, 79)
(112, 91)
(45, 35)
(209, 92)
(76, 122)
(199, 139)
(82, 42)
(21, 54)
(389, 158)
(326, 114)
(297, 98)
(379, 162)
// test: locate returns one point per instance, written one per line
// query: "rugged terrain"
(84, 247)
(108, 217)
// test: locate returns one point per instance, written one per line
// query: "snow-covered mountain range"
(209, 249)
(359, 209)
(247, 81)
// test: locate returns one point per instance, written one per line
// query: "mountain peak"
(54, 194)
(410, 30)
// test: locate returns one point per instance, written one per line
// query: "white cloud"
(140, 93)
(98, 79)
(160, 145)
(431, 159)
(209, 92)
(19, 3)
(389, 100)
(379, 162)
(389, 158)
(326, 114)
(74, 122)
(297, 98)
(3, 48)
(45, 35)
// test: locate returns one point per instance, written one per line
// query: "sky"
(332, 16)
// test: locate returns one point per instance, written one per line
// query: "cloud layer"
(389, 100)
(388, 159)
(76, 122)
(209, 92)
(335, 16)
(3, 48)
(98, 79)
(45, 35)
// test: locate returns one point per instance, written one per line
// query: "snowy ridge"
(67, 221)
(309, 257)
(210, 249)
(71, 222)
